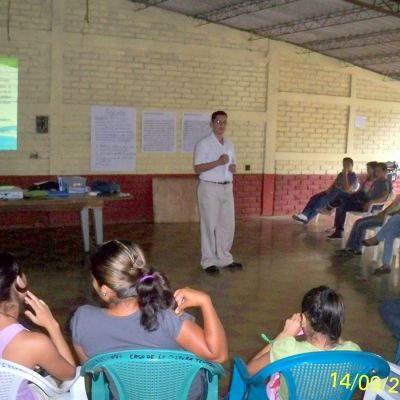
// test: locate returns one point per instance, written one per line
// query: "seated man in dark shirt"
(361, 201)
(345, 183)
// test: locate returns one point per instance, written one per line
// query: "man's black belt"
(219, 183)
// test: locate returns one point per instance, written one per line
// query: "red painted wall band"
(247, 189)
(255, 195)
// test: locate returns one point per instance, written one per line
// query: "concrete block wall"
(311, 78)
(377, 90)
(311, 127)
(317, 108)
(381, 132)
(291, 114)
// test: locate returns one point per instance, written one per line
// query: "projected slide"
(8, 103)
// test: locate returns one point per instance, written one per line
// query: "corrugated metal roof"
(324, 26)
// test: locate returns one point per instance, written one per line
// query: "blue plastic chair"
(148, 375)
(308, 376)
(397, 355)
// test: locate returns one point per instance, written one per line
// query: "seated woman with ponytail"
(19, 345)
(317, 328)
(141, 311)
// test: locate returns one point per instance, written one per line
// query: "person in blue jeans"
(360, 227)
(390, 313)
(389, 232)
(360, 201)
(345, 182)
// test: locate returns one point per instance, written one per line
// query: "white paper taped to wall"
(113, 139)
(195, 126)
(360, 121)
(158, 131)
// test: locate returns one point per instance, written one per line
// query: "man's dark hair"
(382, 166)
(372, 164)
(348, 159)
(215, 114)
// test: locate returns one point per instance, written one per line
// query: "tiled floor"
(282, 261)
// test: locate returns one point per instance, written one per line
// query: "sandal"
(368, 243)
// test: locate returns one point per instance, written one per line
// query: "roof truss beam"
(319, 21)
(149, 3)
(345, 42)
(395, 75)
(372, 59)
(388, 7)
(240, 8)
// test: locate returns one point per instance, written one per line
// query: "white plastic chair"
(353, 216)
(12, 375)
(388, 389)
(378, 250)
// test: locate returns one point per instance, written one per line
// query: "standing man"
(215, 163)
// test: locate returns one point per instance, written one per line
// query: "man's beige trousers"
(217, 223)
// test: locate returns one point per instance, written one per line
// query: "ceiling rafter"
(319, 21)
(243, 7)
(395, 76)
(360, 40)
(383, 58)
(388, 7)
(148, 3)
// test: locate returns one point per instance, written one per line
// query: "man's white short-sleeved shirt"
(210, 149)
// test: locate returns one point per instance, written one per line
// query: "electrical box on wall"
(42, 124)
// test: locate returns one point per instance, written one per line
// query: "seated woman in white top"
(17, 344)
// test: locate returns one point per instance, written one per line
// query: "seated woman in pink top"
(19, 345)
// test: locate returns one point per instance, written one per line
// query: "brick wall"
(381, 132)
(311, 78)
(313, 127)
(125, 57)
(118, 18)
(27, 14)
(74, 158)
(375, 90)
(96, 75)
(290, 113)
(293, 191)
(247, 191)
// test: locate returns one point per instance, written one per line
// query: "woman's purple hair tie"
(145, 277)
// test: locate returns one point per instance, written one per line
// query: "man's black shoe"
(335, 235)
(344, 253)
(234, 265)
(212, 270)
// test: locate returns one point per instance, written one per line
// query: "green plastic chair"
(321, 375)
(148, 375)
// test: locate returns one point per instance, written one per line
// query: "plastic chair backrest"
(387, 388)
(12, 375)
(322, 375)
(148, 374)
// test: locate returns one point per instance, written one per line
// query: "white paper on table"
(113, 139)
(195, 126)
(158, 131)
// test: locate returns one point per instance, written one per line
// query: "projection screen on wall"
(8, 103)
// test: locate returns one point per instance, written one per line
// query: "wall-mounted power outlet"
(34, 155)
(247, 167)
(42, 124)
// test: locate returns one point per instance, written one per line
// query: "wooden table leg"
(98, 224)
(84, 213)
